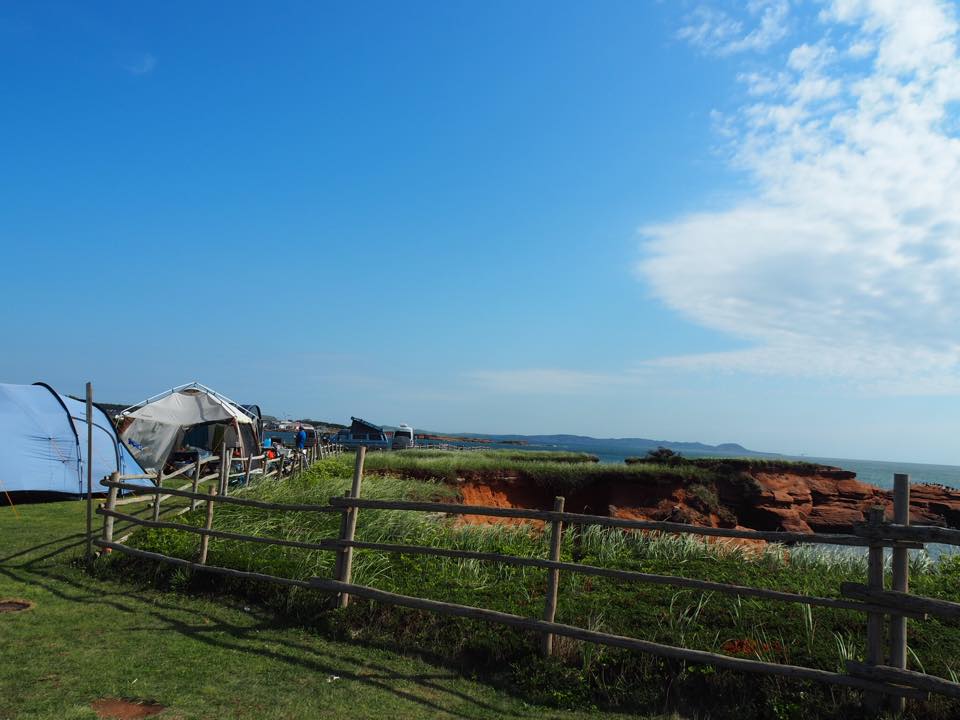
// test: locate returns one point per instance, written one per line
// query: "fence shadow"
(165, 613)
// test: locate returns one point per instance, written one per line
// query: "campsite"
(480, 359)
(197, 505)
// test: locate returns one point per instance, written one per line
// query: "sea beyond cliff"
(616, 450)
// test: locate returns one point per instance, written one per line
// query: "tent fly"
(190, 416)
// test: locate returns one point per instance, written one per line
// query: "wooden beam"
(291, 507)
(350, 526)
(901, 602)
(89, 549)
(178, 562)
(901, 582)
(576, 518)
(553, 578)
(908, 533)
(208, 523)
(625, 575)
(885, 673)
(209, 532)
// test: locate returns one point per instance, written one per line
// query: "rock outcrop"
(809, 498)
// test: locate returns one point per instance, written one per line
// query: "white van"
(402, 437)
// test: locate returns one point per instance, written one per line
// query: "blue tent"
(43, 443)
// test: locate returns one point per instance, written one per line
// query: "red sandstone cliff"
(812, 499)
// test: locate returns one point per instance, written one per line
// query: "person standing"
(301, 438)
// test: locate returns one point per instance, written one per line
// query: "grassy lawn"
(201, 657)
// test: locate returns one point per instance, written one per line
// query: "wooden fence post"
(350, 526)
(89, 555)
(553, 577)
(225, 463)
(196, 481)
(901, 582)
(156, 498)
(344, 521)
(246, 471)
(872, 701)
(111, 505)
(205, 539)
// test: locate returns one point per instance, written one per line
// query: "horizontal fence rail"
(902, 601)
(886, 673)
(875, 677)
(209, 532)
(229, 500)
(625, 575)
(654, 525)
(914, 533)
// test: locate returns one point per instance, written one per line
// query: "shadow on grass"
(62, 545)
(73, 586)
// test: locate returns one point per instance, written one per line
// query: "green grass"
(727, 464)
(583, 675)
(202, 655)
(562, 476)
(511, 456)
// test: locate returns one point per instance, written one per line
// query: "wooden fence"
(883, 674)
(239, 470)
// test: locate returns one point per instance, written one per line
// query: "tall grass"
(731, 463)
(519, 456)
(545, 472)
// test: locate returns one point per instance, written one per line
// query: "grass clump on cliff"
(508, 456)
(582, 675)
(543, 469)
(665, 456)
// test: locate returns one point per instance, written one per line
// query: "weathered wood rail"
(883, 674)
(256, 465)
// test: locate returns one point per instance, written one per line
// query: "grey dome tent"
(189, 415)
(44, 444)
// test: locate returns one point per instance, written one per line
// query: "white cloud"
(144, 65)
(715, 31)
(846, 260)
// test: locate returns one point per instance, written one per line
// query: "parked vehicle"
(360, 433)
(402, 437)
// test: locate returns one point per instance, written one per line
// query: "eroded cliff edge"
(790, 497)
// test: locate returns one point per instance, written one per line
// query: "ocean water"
(881, 474)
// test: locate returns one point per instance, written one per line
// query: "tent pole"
(10, 500)
(89, 472)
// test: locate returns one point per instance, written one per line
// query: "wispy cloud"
(144, 65)
(715, 31)
(845, 261)
(548, 381)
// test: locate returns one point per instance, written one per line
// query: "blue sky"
(714, 221)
